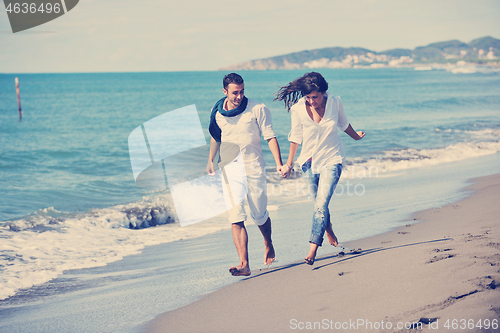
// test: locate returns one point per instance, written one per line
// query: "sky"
(205, 35)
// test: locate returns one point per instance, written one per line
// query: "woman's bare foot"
(312, 254)
(240, 271)
(309, 261)
(331, 236)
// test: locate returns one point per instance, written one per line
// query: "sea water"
(69, 199)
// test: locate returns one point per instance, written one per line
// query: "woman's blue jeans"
(321, 185)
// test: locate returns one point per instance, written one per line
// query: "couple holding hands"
(316, 118)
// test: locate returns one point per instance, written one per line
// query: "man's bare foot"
(265, 229)
(331, 236)
(240, 271)
(269, 256)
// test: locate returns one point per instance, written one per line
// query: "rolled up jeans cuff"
(318, 240)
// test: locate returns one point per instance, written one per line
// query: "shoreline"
(441, 269)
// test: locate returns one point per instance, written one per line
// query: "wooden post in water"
(18, 99)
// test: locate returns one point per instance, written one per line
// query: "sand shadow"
(375, 250)
(342, 257)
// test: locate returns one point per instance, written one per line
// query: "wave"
(146, 213)
(453, 102)
(403, 159)
(43, 245)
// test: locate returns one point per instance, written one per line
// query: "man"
(238, 120)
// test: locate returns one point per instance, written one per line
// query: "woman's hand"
(353, 134)
(361, 134)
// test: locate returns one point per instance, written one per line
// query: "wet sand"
(440, 274)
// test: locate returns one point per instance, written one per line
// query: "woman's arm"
(353, 134)
(289, 163)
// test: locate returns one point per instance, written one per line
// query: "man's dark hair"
(232, 78)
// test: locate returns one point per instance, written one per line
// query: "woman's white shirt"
(321, 142)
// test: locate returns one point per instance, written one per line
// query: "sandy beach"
(441, 274)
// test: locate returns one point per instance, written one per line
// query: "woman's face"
(315, 99)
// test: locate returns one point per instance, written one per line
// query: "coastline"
(443, 270)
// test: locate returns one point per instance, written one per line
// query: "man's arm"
(353, 134)
(214, 148)
(275, 150)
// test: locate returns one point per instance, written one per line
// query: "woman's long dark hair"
(300, 87)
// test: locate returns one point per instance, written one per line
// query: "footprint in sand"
(425, 321)
(439, 258)
(439, 250)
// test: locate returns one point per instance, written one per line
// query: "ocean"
(72, 215)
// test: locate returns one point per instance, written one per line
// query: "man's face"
(234, 93)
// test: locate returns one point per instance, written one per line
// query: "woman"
(316, 116)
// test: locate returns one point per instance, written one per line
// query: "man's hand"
(279, 168)
(275, 150)
(214, 148)
(210, 168)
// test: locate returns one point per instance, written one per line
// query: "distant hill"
(481, 50)
(485, 43)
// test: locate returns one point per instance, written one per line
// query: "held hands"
(284, 170)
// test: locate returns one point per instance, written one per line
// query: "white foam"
(399, 160)
(42, 246)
